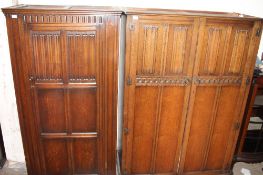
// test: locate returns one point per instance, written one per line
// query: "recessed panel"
(51, 110)
(85, 156)
(56, 157)
(47, 61)
(83, 109)
(81, 50)
(237, 51)
(212, 51)
(144, 126)
(178, 49)
(150, 48)
(199, 130)
(223, 127)
(170, 125)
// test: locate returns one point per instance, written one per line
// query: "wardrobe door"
(70, 74)
(159, 61)
(64, 76)
(221, 77)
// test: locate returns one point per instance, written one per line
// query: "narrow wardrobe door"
(220, 83)
(64, 80)
(159, 62)
(72, 77)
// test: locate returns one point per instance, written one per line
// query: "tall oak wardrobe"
(186, 78)
(64, 63)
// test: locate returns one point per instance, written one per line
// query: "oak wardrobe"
(187, 77)
(64, 63)
(186, 81)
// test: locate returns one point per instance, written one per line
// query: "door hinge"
(258, 32)
(129, 81)
(125, 131)
(237, 125)
(248, 81)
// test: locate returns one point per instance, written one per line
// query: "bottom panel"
(56, 157)
(143, 131)
(85, 156)
(222, 133)
(172, 105)
(199, 130)
(212, 129)
(157, 129)
(70, 156)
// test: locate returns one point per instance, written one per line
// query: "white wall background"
(8, 112)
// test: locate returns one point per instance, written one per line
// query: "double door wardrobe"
(178, 81)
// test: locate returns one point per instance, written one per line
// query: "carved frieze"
(217, 80)
(83, 80)
(90, 19)
(163, 81)
(185, 81)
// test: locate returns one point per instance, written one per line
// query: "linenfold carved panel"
(178, 48)
(238, 52)
(89, 19)
(213, 50)
(81, 56)
(163, 81)
(149, 47)
(47, 61)
(213, 44)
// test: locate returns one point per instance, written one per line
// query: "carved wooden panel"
(47, 55)
(178, 49)
(150, 48)
(222, 48)
(212, 50)
(238, 52)
(82, 56)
